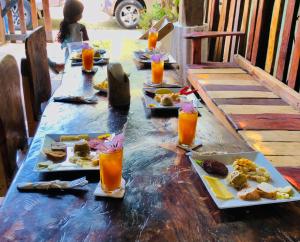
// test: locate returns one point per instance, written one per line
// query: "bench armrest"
(211, 34)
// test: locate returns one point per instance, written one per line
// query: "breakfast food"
(251, 170)
(266, 190)
(218, 188)
(237, 179)
(249, 194)
(163, 91)
(215, 167)
(166, 100)
(58, 146)
(82, 148)
(85, 162)
(57, 155)
(102, 85)
(73, 137)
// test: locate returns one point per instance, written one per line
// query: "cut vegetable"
(218, 188)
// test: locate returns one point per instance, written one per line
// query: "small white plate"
(116, 194)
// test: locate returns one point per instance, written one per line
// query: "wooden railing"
(272, 35)
(11, 34)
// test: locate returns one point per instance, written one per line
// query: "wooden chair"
(13, 129)
(36, 77)
(164, 27)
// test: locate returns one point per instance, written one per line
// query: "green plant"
(157, 12)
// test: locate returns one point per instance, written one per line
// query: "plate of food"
(163, 98)
(242, 180)
(77, 55)
(70, 152)
(101, 86)
(145, 57)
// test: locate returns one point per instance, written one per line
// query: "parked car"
(127, 12)
(27, 10)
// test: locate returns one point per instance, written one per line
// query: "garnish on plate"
(218, 188)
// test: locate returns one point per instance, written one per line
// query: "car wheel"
(27, 13)
(128, 13)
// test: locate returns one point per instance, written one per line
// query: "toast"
(266, 190)
(249, 194)
(55, 155)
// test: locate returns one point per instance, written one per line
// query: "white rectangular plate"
(276, 178)
(64, 165)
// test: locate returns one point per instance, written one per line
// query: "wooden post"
(47, 20)
(22, 16)
(2, 28)
(191, 12)
(11, 25)
(34, 14)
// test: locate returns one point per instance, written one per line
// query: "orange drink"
(187, 123)
(111, 170)
(88, 59)
(157, 68)
(152, 39)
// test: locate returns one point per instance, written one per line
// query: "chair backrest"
(4, 183)
(164, 27)
(272, 40)
(11, 111)
(37, 69)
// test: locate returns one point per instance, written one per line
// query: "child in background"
(70, 30)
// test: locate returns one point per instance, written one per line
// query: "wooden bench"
(251, 97)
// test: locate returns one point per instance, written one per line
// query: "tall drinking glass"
(187, 123)
(157, 67)
(152, 38)
(88, 59)
(111, 170)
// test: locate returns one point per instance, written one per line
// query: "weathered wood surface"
(217, 70)
(164, 200)
(47, 20)
(274, 135)
(11, 113)
(258, 109)
(251, 101)
(22, 16)
(240, 94)
(266, 122)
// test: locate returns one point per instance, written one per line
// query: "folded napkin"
(57, 184)
(100, 62)
(76, 99)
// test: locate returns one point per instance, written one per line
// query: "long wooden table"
(165, 199)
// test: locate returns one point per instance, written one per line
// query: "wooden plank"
(294, 63)
(221, 27)
(225, 76)
(276, 86)
(11, 26)
(250, 101)
(252, 29)
(273, 36)
(213, 108)
(228, 82)
(271, 136)
(234, 88)
(244, 25)
(241, 94)
(34, 17)
(277, 148)
(2, 29)
(211, 65)
(218, 71)
(229, 28)
(257, 109)
(235, 28)
(257, 33)
(22, 16)
(282, 59)
(284, 161)
(47, 20)
(265, 122)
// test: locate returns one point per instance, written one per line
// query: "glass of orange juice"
(111, 170)
(152, 38)
(157, 67)
(187, 124)
(88, 59)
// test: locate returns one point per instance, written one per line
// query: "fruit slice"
(218, 188)
(163, 91)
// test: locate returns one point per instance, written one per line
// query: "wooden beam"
(15, 37)
(2, 28)
(34, 17)
(244, 25)
(257, 34)
(294, 63)
(252, 29)
(273, 37)
(282, 60)
(286, 93)
(22, 16)
(235, 28)
(47, 20)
